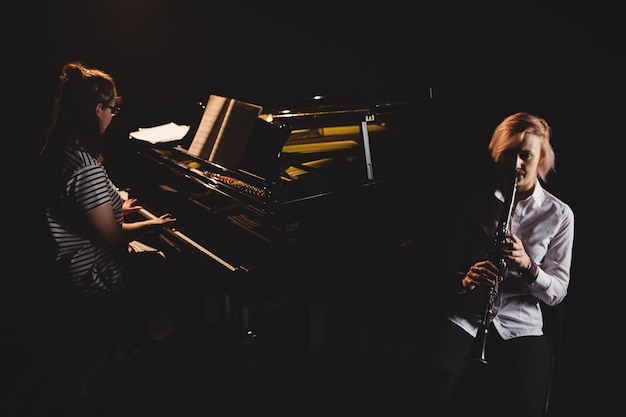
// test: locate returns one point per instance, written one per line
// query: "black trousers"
(514, 382)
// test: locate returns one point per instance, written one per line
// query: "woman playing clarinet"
(501, 337)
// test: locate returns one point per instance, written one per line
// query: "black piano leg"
(243, 314)
(248, 331)
(311, 318)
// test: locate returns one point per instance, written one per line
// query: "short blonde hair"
(510, 132)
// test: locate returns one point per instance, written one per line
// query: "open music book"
(224, 130)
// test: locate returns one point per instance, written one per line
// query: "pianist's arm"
(132, 230)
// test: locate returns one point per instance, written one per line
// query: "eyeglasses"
(114, 109)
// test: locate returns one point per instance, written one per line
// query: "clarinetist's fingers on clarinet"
(514, 252)
(481, 273)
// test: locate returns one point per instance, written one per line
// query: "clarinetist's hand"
(514, 253)
(481, 273)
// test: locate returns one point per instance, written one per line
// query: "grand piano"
(321, 193)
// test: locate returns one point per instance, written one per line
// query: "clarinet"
(495, 255)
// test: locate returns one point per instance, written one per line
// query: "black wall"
(562, 60)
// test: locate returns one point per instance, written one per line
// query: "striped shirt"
(92, 271)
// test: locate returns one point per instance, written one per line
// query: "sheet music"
(159, 134)
(209, 127)
(224, 131)
(232, 140)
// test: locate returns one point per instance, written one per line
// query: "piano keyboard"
(190, 241)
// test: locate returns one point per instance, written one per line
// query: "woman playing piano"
(93, 251)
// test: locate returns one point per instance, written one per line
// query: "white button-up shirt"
(545, 225)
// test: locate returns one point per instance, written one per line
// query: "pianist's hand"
(129, 206)
(161, 220)
(154, 224)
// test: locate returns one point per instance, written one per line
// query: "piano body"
(318, 197)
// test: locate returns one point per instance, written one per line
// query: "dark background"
(483, 61)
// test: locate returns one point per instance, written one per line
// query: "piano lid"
(308, 149)
(321, 110)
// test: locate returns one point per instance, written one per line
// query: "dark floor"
(282, 366)
(359, 355)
